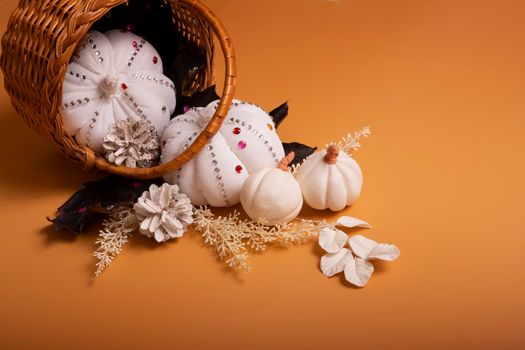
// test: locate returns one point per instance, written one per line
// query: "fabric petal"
(362, 246)
(386, 252)
(358, 272)
(350, 222)
(332, 240)
(332, 264)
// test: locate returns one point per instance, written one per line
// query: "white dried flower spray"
(117, 229)
(133, 143)
(164, 212)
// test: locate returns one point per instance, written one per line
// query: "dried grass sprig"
(117, 229)
(224, 235)
(232, 237)
(351, 142)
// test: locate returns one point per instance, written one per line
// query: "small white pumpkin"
(272, 194)
(246, 142)
(111, 77)
(330, 180)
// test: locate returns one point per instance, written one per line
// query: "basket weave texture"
(42, 36)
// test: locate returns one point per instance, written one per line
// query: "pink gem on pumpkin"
(242, 144)
(135, 44)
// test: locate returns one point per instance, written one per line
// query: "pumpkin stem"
(331, 154)
(109, 86)
(283, 164)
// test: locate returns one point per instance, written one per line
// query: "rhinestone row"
(167, 142)
(259, 135)
(135, 106)
(78, 75)
(76, 103)
(137, 50)
(239, 103)
(179, 120)
(187, 145)
(94, 47)
(155, 80)
(92, 125)
(218, 175)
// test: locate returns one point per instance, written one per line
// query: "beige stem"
(109, 86)
(331, 154)
(283, 164)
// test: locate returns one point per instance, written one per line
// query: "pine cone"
(133, 143)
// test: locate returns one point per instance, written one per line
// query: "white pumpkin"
(246, 142)
(330, 180)
(272, 194)
(111, 77)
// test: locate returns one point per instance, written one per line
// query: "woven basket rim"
(40, 41)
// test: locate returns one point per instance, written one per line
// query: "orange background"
(442, 85)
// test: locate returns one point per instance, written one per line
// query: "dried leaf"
(198, 99)
(98, 197)
(301, 151)
(279, 114)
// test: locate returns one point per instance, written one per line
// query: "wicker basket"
(39, 42)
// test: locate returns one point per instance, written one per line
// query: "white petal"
(350, 222)
(149, 205)
(332, 240)
(165, 195)
(362, 246)
(332, 264)
(159, 236)
(358, 272)
(383, 251)
(144, 225)
(154, 223)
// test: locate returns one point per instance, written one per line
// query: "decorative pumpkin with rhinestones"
(272, 194)
(111, 77)
(246, 142)
(330, 180)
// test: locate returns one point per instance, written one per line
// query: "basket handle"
(99, 162)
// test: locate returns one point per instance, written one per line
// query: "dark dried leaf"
(98, 197)
(279, 114)
(198, 99)
(301, 151)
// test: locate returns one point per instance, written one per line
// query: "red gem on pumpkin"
(155, 60)
(241, 144)
(135, 44)
(124, 86)
(238, 169)
(237, 131)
